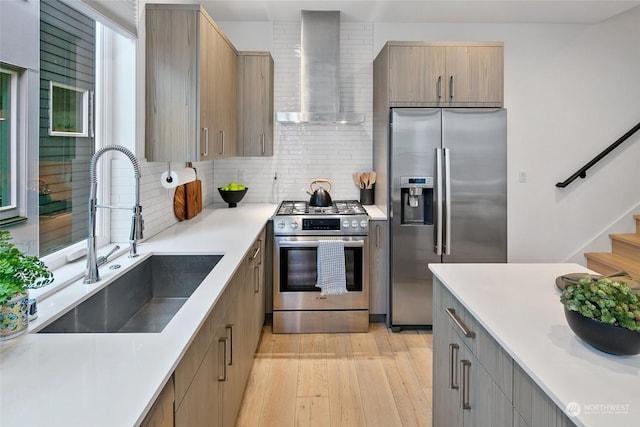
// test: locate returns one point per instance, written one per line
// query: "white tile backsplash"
(305, 152)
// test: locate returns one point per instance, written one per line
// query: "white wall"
(570, 91)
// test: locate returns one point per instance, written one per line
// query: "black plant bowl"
(608, 338)
(232, 197)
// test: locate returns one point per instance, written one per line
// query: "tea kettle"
(319, 196)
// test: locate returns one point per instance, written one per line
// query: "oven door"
(295, 274)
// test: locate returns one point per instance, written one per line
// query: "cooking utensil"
(356, 179)
(372, 178)
(320, 197)
(365, 179)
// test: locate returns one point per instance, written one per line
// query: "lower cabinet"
(212, 375)
(475, 382)
(466, 395)
(161, 413)
(532, 407)
(378, 270)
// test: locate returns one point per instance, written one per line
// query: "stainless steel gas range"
(298, 306)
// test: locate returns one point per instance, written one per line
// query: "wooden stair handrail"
(582, 172)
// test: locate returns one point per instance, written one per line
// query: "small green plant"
(19, 271)
(604, 300)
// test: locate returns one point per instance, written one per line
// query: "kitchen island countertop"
(113, 379)
(519, 305)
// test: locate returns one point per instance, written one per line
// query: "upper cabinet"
(191, 86)
(441, 74)
(255, 104)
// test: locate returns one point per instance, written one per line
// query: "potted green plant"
(604, 313)
(18, 273)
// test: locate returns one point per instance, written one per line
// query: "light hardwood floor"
(375, 379)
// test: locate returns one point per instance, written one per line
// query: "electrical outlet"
(522, 177)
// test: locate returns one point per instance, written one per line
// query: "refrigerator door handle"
(447, 200)
(437, 238)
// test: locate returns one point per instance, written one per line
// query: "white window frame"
(85, 110)
(11, 209)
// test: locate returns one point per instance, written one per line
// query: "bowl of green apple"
(232, 193)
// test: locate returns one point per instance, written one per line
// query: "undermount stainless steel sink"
(143, 300)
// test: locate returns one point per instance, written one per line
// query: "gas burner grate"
(339, 207)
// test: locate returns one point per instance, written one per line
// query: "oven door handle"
(314, 243)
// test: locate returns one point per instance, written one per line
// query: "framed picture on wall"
(68, 110)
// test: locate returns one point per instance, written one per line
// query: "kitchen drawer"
(496, 361)
(190, 362)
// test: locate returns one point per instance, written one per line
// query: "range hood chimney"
(320, 73)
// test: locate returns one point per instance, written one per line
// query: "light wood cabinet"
(378, 267)
(212, 375)
(225, 100)
(465, 393)
(191, 86)
(475, 382)
(255, 104)
(532, 407)
(425, 74)
(161, 413)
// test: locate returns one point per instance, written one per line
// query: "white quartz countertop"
(113, 379)
(375, 213)
(519, 305)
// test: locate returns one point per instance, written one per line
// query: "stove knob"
(280, 224)
(346, 223)
(364, 223)
(354, 224)
(294, 225)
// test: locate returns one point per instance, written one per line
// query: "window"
(8, 95)
(67, 79)
(68, 110)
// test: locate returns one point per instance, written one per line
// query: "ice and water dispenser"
(417, 200)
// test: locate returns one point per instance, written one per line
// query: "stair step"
(607, 263)
(626, 245)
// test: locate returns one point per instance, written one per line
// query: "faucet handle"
(103, 259)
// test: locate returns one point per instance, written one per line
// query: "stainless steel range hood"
(320, 73)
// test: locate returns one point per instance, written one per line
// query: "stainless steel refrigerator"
(447, 199)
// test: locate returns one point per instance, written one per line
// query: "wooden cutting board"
(191, 196)
(187, 200)
(179, 203)
(198, 196)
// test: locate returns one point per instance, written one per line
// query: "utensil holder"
(367, 195)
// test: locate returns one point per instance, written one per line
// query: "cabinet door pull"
(230, 329)
(463, 328)
(256, 284)
(221, 143)
(206, 142)
(439, 86)
(223, 340)
(453, 366)
(451, 85)
(255, 254)
(377, 235)
(465, 391)
(263, 150)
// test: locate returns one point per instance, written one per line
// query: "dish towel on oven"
(331, 269)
